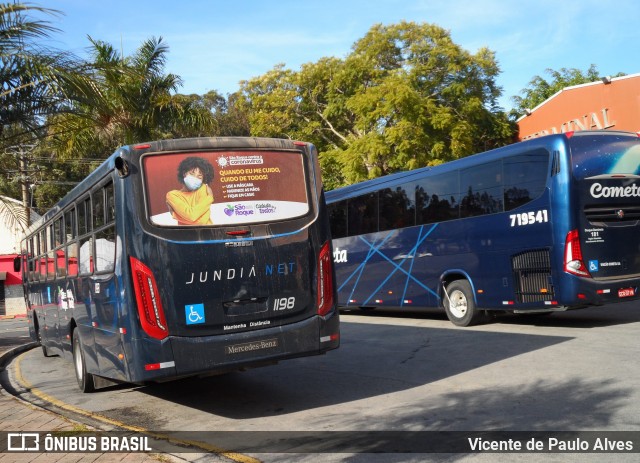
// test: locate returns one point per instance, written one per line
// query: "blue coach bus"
(544, 225)
(185, 257)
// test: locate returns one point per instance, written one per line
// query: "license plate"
(626, 292)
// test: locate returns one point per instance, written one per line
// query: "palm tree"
(32, 78)
(133, 101)
(76, 110)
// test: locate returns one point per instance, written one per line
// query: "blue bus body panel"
(229, 302)
(405, 267)
(514, 260)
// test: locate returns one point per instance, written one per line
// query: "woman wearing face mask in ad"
(191, 204)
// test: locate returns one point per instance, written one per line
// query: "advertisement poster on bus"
(224, 188)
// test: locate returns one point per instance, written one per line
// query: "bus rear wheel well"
(36, 325)
(72, 326)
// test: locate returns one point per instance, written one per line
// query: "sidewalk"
(19, 416)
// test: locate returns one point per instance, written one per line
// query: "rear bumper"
(228, 352)
(589, 292)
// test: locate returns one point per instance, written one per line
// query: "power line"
(66, 161)
(53, 182)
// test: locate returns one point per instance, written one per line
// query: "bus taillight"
(149, 305)
(325, 281)
(573, 262)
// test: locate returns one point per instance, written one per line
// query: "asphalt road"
(396, 371)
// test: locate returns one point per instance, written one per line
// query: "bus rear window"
(594, 155)
(224, 187)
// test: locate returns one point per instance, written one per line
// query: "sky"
(214, 44)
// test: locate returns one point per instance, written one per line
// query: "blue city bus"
(544, 225)
(185, 257)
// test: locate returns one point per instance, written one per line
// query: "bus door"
(66, 305)
(104, 289)
(50, 329)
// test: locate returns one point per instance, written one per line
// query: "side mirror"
(122, 167)
(17, 261)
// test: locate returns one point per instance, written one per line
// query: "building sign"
(593, 121)
(610, 105)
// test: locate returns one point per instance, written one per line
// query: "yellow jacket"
(191, 207)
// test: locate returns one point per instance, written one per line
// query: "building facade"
(11, 230)
(610, 104)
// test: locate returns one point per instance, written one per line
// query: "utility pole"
(21, 152)
(25, 187)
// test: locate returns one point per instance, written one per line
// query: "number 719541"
(529, 218)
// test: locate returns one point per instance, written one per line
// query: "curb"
(8, 355)
(11, 317)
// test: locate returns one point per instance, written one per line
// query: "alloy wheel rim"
(458, 304)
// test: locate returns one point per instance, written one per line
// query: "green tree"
(133, 100)
(541, 89)
(228, 119)
(35, 83)
(405, 97)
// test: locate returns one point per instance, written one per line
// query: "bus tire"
(85, 380)
(45, 352)
(460, 305)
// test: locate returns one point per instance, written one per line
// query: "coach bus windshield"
(224, 187)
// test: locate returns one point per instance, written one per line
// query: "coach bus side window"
(72, 258)
(481, 189)
(35, 252)
(43, 254)
(110, 203)
(397, 207)
(525, 178)
(437, 198)
(105, 244)
(71, 252)
(363, 214)
(338, 219)
(105, 239)
(51, 254)
(58, 231)
(51, 237)
(85, 243)
(59, 258)
(98, 208)
(83, 216)
(85, 257)
(105, 250)
(43, 267)
(70, 224)
(32, 254)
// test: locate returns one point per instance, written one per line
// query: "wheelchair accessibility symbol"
(194, 314)
(593, 265)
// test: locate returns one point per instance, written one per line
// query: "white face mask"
(192, 183)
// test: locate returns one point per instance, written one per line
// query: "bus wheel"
(460, 305)
(45, 352)
(85, 380)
